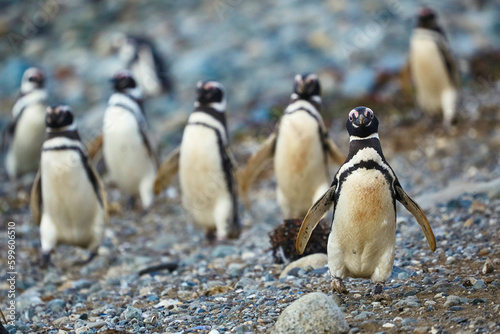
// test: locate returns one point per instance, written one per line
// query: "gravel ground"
(235, 287)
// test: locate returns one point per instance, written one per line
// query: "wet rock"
(312, 313)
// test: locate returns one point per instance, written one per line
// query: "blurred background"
(358, 48)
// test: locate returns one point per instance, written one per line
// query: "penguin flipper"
(334, 152)
(255, 165)
(313, 217)
(102, 192)
(94, 149)
(36, 199)
(450, 63)
(168, 168)
(418, 213)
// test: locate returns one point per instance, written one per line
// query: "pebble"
(312, 313)
(479, 285)
(487, 267)
(56, 305)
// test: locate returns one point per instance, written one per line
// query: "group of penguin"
(68, 199)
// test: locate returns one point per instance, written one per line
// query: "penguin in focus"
(23, 137)
(142, 58)
(363, 195)
(301, 149)
(433, 69)
(206, 165)
(128, 150)
(68, 200)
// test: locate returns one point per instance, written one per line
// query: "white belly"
(24, 153)
(125, 154)
(202, 178)
(299, 164)
(361, 243)
(70, 203)
(429, 73)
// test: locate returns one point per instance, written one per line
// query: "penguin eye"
(350, 118)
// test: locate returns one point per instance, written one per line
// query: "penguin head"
(427, 18)
(362, 122)
(33, 78)
(124, 82)
(59, 117)
(306, 86)
(210, 94)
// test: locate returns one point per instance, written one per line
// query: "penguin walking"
(301, 149)
(23, 137)
(363, 195)
(127, 148)
(433, 68)
(206, 166)
(145, 63)
(68, 200)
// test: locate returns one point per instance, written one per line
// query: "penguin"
(68, 200)
(128, 150)
(433, 68)
(301, 149)
(142, 58)
(206, 166)
(23, 137)
(363, 195)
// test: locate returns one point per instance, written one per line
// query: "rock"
(223, 251)
(452, 301)
(131, 313)
(488, 267)
(479, 285)
(315, 261)
(312, 313)
(56, 305)
(363, 316)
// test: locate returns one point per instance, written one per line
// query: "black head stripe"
(209, 92)
(58, 117)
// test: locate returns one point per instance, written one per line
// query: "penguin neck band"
(374, 135)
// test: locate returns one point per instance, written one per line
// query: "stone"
(488, 267)
(56, 305)
(312, 313)
(131, 313)
(315, 261)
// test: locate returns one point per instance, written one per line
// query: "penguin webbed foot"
(378, 292)
(92, 255)
(45, 261)
(379, 288)
(338, 286)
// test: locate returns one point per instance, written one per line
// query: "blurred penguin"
(128, 150)
(145, 63)
(301, 149)
(23, 137)
(206, 166)
(68, 199)
(433, 68)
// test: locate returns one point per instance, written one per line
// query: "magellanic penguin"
(24, 135)
(363, 195)
(147, 66)
(433, 68)
(127, 147)
(301, 149)
(206, 165)
(68, 199)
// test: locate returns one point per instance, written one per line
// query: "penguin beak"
(361, 120)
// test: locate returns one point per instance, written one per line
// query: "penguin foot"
(379, 288)
(45, 261)
(92, 255)
(338, 286)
